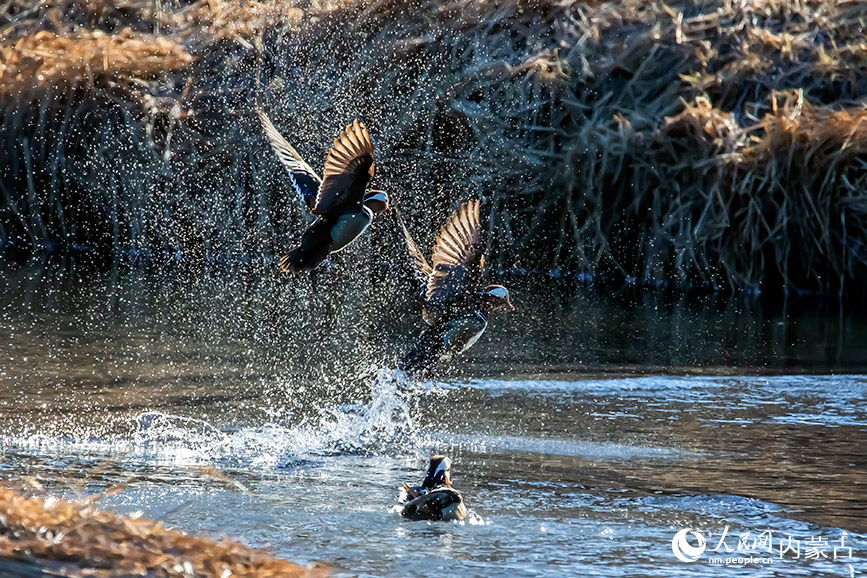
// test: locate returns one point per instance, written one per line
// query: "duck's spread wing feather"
(422, 268)
(305, 178)
(457, 256)
(348, 169)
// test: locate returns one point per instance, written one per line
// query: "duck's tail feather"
(301, 259)
(290, 263)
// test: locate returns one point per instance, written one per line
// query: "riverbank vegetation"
(718, 143)
(47, 536)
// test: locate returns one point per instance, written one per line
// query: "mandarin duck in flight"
(456, 301)
(435, 498)
(339, 198)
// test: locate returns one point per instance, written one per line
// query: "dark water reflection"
(564, 328)
(585, 429)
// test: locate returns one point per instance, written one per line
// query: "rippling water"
(585, 432)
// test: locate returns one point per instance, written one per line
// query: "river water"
(586, 430)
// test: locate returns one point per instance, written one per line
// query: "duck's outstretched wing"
(457, 258)
(306, 180)
(420, 265)
(348, 169)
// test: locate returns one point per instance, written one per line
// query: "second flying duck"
(456, 303)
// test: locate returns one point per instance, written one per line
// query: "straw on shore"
(47, 536)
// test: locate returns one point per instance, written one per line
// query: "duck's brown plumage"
(456, 304)
(337, 198)
(348, 169)
(457, 262)
(442, 504)
(434, 499)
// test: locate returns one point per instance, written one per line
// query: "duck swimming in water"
(435, 499)
(339, 198)
(456, 303)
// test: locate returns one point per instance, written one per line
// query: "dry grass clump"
(24, 18)
(610, 137)
(76, 539)
(192, 24)
(94, 101)
(633, 139)
(819, 153)
(782, 196)
(45, 61)
(225, 19)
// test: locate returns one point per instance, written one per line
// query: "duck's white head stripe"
(500, 292)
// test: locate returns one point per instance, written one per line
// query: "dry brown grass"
(635, 139)
(45, 62)
(190, 23)
(75, 539)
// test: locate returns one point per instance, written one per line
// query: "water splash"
(385, 424)
(474, 519)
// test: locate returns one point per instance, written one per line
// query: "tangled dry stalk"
(49, 536)
(701, 143)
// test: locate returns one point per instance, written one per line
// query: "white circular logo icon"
(683, 550)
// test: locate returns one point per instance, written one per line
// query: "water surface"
(585, 430)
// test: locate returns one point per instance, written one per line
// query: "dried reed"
(74, 539)
(710, 143)
(44, 61)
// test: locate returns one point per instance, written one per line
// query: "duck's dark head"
(495, 297)
(438, 473)
(376, 201)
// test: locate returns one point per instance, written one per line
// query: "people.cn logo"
(683, 549)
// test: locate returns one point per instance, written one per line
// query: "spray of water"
(383, 424)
